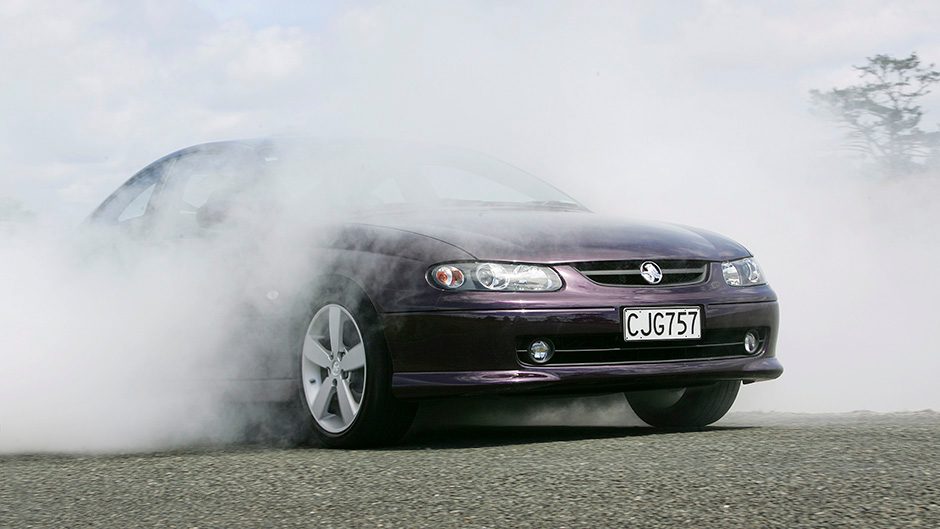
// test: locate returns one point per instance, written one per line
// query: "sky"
(95, 90)
(695, 112)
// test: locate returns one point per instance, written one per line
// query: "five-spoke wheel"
(345, 373)
(334, 368)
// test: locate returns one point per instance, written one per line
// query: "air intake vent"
(628, 273)
(609, 348)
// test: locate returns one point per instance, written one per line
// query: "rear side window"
(132, 203)
(138, 206)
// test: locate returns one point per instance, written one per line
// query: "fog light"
(541, 351)
(751, 342)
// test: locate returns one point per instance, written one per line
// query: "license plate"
(674, 323)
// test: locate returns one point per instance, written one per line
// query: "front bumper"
(454, 353)
(473, 343)
(584, 379)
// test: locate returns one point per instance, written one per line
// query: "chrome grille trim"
(627, 273)
(637, 272)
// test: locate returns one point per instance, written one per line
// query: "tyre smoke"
(696, 114)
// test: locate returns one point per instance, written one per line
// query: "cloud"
(102, 87)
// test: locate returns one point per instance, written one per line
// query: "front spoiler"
(584, 378)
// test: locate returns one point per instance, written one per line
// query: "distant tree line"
(882, 115)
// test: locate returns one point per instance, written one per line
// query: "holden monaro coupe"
(438, 272)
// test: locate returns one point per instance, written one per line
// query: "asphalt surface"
(756, 470)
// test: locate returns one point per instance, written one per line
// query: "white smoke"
(692, 113)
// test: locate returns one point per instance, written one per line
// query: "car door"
(192, 207)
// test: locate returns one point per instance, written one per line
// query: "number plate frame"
(653, 318)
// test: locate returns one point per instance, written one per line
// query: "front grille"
(611, 348)
(627, 273)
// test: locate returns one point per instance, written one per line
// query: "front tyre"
(345, 377)
(693, 407)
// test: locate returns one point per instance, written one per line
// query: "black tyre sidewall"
(698, 407)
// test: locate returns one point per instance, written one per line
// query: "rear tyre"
(693, 407)
(345, 376)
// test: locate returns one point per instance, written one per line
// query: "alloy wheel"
(333, 368)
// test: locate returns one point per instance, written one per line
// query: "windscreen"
(394, 176)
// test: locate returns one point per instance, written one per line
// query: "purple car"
(440, 272)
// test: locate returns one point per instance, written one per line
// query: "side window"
(138, 206)
(133, 203)
(204, 188)
(201, 185)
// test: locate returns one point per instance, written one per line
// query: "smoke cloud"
(693, 113)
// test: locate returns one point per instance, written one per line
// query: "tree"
(882, 114)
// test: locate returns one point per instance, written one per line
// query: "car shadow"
(485, 436)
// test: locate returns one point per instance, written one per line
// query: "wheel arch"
(323, 286)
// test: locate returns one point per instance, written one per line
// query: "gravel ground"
(755, 470)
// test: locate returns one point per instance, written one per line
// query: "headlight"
(743, 272)
(506, 277)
